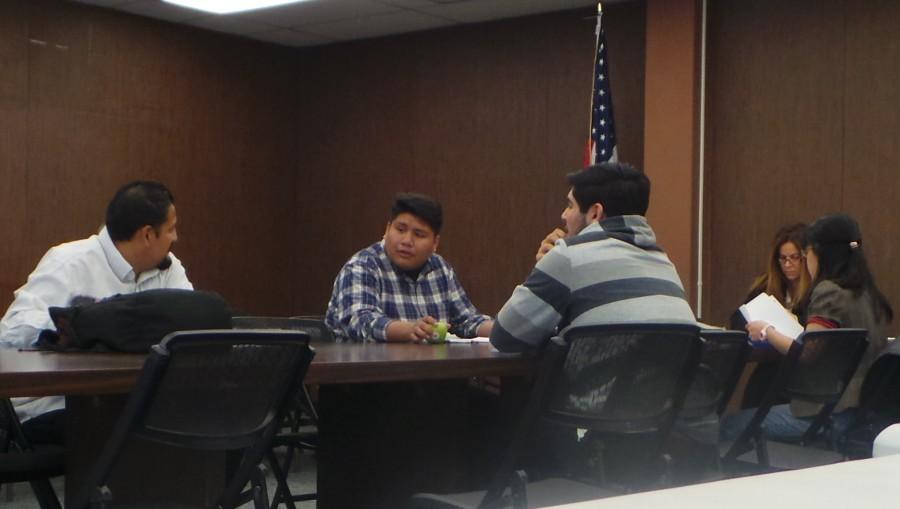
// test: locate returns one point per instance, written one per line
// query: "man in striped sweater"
(604, 268)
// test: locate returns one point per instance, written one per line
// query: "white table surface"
(849, 485)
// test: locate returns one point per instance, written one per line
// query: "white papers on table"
(767, 308)
(451, 338)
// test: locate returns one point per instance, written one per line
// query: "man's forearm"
(484, 329)
(399, 330)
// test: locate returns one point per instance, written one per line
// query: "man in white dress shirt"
(130, 254)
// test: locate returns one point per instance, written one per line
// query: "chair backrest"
(723, 358)
(880, 391)
(624, 378)
(826, 364)
(211, 390)
(10, 429)
(312, 325)
(610, 378)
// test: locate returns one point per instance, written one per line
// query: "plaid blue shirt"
(370, 292)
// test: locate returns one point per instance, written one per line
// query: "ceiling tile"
(231, 24)
(294, 38)
(483, 10)
(319, 11)
(161, 10)
(374, 26)
(328, 20)
(106, 3)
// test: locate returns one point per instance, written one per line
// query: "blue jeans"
(781, 424)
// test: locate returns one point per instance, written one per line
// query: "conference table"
(380, 406)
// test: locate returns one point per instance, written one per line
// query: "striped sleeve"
(534, 310)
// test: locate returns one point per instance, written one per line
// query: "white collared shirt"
(90, 267)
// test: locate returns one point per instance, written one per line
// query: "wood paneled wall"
(90, 99)
(284, 162)
(803, 119)
(487, 118)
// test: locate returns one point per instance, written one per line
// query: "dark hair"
(619, 187)
(837, 242)
(773, 281)
(424, 207)
(136, 205)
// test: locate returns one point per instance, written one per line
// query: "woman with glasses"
(844, 295)
(786, 277)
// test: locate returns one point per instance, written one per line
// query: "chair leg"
(283, 493)
(260, 493)
(45, 495)
(666, 479)
(519, 490)
(762, 451)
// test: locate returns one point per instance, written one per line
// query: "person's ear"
(387, 228)
(437, 240)
(144, 234)
(595, 213)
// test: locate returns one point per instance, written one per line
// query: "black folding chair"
(612, 380)
(695, 438)
(879, 403)
(21, 461)
(724, 354)
(302, 412)
(214, 390)
(817, 368)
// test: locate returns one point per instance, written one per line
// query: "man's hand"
(548, 243)
(417, 331)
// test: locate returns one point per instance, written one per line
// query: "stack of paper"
(452, 338)
(767, 308)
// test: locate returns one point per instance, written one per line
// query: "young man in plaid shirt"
(399, 288)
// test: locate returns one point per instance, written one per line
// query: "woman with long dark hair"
(844, 295)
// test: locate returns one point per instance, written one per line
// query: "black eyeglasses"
(793, 259)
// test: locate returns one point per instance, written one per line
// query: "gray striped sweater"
(611, 272)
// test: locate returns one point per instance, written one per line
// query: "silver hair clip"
(854, 244)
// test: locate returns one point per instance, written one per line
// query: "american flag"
(601, 146)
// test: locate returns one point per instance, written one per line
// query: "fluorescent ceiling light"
(229, 6)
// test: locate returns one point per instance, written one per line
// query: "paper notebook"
(767, 308)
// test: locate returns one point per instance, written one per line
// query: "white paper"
(767, 308)
(456, 339)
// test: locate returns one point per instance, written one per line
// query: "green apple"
(440, 331)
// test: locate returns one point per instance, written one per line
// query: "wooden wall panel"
(802, 121)
(487, 118)
(110, 98)
(671, 136)
(284, 162)
(14, 50)
(871, 177)
(774, 132)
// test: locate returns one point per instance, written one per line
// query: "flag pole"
(588, 151)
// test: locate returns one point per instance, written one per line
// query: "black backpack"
(134, 322)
